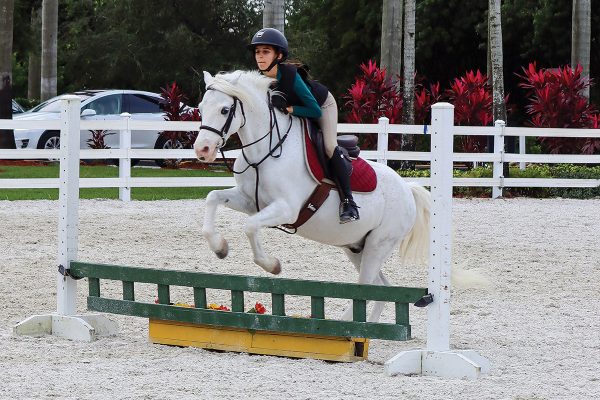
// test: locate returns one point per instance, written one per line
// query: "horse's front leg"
(231, 198)
(276, 213)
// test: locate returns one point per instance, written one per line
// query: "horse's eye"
(224, 110)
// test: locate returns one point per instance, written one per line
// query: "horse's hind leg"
(378, 306)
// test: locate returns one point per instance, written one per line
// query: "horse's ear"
(208, 78)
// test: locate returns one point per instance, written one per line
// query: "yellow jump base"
(330, 348)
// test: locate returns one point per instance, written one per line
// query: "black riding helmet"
(271, 37)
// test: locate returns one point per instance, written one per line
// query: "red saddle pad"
(363, 178)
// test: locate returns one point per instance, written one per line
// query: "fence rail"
(383, 129)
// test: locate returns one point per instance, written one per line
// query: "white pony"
(394, 212)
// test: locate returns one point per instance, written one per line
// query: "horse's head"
(222, 116)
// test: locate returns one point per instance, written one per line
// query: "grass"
(104, 171)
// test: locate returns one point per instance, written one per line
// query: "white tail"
(415, 246)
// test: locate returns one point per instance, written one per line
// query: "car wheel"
(50, 141)
(163, 142)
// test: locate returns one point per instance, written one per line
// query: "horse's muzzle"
(205, 152)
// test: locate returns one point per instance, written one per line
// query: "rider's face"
(264, 56)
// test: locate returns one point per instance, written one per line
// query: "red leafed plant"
(556, 100)
(175, 110)
(371, 96)
(97, 139)
(424, 98)
(472, 98)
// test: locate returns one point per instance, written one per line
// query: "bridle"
(273, 127)
(225, 129)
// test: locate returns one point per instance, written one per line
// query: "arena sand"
(538, 324)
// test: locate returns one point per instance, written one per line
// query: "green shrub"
(559, 171)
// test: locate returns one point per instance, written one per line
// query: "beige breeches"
(328, 123)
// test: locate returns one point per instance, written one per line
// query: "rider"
(270, 49)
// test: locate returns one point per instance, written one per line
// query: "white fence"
(70, 121)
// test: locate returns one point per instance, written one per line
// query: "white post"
(382, 139)
(440, 229)
(64, 323)
(498, 164)
(125, 163)
(68, 203)
(522, 150)
(437, 359)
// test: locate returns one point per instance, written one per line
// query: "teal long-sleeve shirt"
(310, 107)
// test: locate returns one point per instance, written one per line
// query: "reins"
(273, 127)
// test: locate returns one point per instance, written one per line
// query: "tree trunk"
(497, 65)
(7, 138)
(49, 45)
(581, 37)
(274, 15)
(34, 72)
(391, 38)
(496, 58)
(409, 63)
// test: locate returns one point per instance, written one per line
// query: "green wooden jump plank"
(94, 287)
(402, 313)
(317, 307)
(278, 304)
(237, 301)
(128, 291)
(164, 294)
(251, 321)
(359, 310)
(199, 297)
(249, 284)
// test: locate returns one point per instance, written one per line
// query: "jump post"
(437, 359)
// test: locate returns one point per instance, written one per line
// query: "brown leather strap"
(314, 202)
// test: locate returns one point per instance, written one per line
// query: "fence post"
(125, 163)
(382, 139)
(498, 169)
(522, 150)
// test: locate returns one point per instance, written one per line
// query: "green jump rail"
(238, 284)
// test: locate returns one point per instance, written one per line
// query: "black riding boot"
(341, 169)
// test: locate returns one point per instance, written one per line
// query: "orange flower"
(213, 306)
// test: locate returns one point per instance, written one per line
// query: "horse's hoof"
(270, 264)
(224, 249)
(277, 269)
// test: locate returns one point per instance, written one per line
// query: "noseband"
(225, 129)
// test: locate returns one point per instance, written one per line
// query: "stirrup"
(348, 211)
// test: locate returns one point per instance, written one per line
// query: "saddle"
(362, 179)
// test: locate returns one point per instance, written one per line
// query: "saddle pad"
(363, 178)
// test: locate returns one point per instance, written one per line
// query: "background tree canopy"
(145, 44)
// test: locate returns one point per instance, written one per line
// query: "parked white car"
(16, 108)
(98, 105)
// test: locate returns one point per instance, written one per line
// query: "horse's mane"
(244, 85)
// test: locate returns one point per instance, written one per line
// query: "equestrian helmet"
(271, 37)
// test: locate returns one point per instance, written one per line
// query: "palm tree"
(274, 14)
(391, 37)
(581, 36)
(34, 67)
(49, 44)
(408, 88)
(7, 139)
(496, 59)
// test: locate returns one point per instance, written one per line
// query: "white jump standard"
(437, 359)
